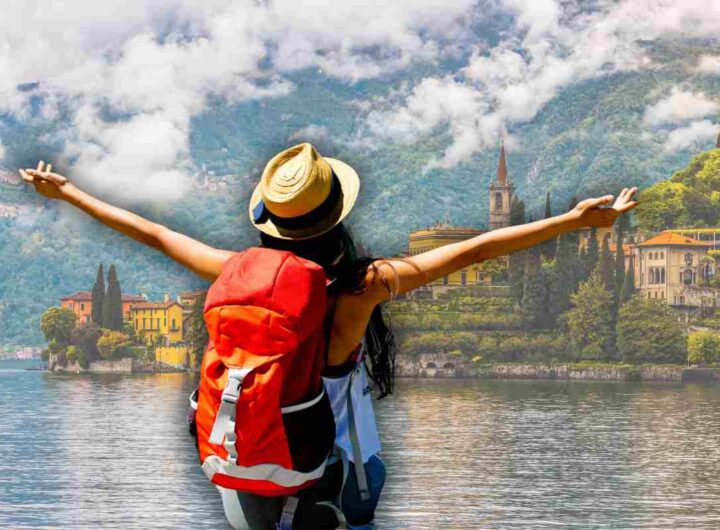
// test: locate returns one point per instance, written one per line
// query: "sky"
(130, 75)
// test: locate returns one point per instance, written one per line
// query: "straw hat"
(301, 194)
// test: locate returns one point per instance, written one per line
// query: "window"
(144, 322)
(82, 307)
(173, 324)
(158, 323)
(165, 321)
(662, 255)
(687, 277)
(498, 200)
(688, 258)
(445, 280)
(463, 277)
(662, 275)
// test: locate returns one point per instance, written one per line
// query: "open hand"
(51, 185)
(591, 212)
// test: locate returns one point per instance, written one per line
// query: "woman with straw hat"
(299, 205)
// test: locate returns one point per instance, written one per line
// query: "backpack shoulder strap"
(329, 316)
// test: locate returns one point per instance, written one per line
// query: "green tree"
(589, 321)
(57, 324)
(592, 253)
(648, 332)
(703, 347)
(516, 260)
(620, 229)
(113, 344)
(565, 277)
(533, 300)
(98, 294)
(606, 266)
(196, 333)
(112, 315)
(548, 247)
(628, 287)
(85, 337)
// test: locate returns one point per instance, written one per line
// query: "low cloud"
(709, 64)
(697, 134)
(131, 84)
(552, 45)
(678, 107)
(311, 133)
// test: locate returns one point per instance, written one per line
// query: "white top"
(336, 389)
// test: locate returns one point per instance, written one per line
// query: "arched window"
(687, 277)
(498, 200)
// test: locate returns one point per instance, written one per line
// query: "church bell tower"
(501, 192)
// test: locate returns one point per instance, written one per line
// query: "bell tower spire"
(501, 192)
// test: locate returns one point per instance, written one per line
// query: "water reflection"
(112, 452)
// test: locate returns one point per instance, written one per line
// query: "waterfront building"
(677, 269)
(158, 319)
(80, 303)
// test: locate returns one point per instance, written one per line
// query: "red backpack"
(264, 422)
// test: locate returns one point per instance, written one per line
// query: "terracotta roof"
(86, 296)
(133, 298)
(80, 296)
(154, 305)
(671, 238)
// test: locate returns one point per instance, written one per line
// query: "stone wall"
(125, 365)
(439, 365)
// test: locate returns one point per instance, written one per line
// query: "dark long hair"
(337, 253)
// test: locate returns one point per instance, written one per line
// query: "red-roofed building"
(80, 303)
(676, 268)
(152, 320)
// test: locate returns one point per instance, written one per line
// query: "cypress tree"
(98, 293)
(533, 301)
(607, 266)
(628, 286)
(112, 315)
(516, 260)
(548, 247)
(620, 255)
(565, 277)
(592, 252)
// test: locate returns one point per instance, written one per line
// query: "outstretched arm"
(200, 258)
(403, 275)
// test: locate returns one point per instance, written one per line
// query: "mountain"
(590, 139)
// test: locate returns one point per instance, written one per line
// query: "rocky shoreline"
(437, 366)
(127, 365)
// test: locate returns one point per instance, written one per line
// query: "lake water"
(112, 451)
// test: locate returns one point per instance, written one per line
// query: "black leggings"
(263, 513)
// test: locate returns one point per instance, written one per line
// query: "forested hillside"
(590, 139)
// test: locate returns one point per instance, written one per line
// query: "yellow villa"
(153, 319)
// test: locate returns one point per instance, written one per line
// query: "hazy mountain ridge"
(588, 140)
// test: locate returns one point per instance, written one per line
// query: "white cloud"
(699, 133)
(553, 44)
(2, 151)
(709, 64)
(155, 63)
(680, 106)
(311, 133)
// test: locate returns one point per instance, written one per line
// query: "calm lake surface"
(112, 451)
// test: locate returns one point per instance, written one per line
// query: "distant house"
(158, 319)
(676, 268)
(80, 303)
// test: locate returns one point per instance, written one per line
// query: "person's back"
(300, 203)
